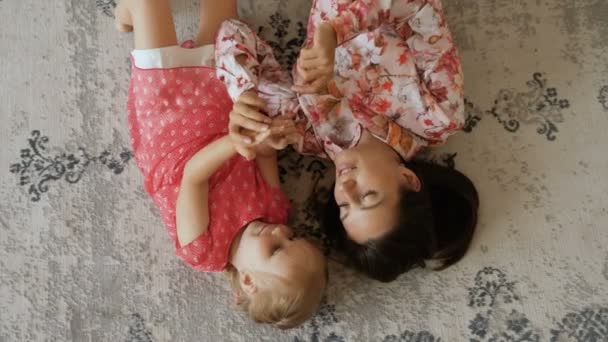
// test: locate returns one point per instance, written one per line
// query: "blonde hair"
(283, 303)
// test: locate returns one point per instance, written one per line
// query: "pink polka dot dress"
(172, 114)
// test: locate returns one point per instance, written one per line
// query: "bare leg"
(151, 21)
(212, 14)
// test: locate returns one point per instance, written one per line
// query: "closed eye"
(370, 194)
(276, 250)
(371, 200)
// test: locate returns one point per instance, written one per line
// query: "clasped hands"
(252, 132)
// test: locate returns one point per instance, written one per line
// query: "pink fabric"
(270, 80)
(172, 114)
(258, 69)
(398, 75)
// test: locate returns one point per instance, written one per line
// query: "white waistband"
(174, 57)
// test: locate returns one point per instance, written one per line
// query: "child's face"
(271, 248)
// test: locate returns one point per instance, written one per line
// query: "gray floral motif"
(590, 324)
(286, 48)
(138, 331)
(479, 325)
(539, 105)
(603, 97)
(410, 336)
(515, 327)
(605, 270)
(473, 114)
(490, 285)
(518, 328)
(106, 6)
(492, 290)
(293, 167)
(324, 318)
(38, 168)
(327, 317)
(334, 338)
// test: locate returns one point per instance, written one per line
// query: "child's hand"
(245, 149)
(316, 64)
(283, 132)
(248, 113)
(248, 124)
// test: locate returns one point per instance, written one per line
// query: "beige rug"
(84, 257)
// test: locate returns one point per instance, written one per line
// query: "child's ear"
(237, 297)
(247, 283)
(412, 180)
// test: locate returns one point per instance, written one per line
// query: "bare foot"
(123, 20)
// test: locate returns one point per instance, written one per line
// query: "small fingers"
(251, 112)
(237, 136)
(315, 87)
(260, 137)
(312, 63)
(309, 53)
(282, 121)
(310, 75)
(288, 139)
(241, 116)
(252, 99)
(290, 115)
(279, 131)
(283, 136)
(293, 138)
(278, 144)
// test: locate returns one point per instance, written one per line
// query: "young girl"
(224, 212)
(377, 82)
(395, 87)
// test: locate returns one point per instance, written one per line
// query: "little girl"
(224, 212)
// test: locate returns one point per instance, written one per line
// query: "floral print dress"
(397, 75)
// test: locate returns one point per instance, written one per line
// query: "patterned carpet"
(84, 257)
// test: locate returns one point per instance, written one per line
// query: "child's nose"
(349, 188)
(282, 231)
(348, 184)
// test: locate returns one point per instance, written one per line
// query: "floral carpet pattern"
(84, 256)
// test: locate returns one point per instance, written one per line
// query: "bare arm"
(192, 207)
(269, 168)
(212, 14)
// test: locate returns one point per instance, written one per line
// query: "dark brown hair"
(436, 223)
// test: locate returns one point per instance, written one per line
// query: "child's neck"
(369, 140)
